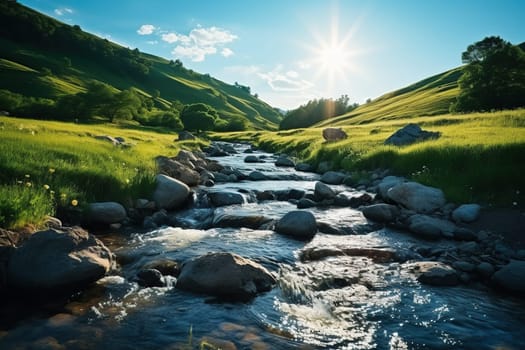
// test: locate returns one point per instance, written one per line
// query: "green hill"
(428, 97)
(43, 58)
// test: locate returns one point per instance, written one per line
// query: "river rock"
(435, 273)
(251, 159)
(224, 275)
(165, 266)
(381, 212)
(185, 136)
(466, 213)
(357, 201)
(323, 191)
(222, 219)
(333, 177)
(284, 161)
(220, 199)
(58, 261)
(429, 227)
(304, 203)
(409, 134)
(485, 269)
(305, 167)
(418, 197)
(105, 213)
(150, 278)
(511, 277)
(169, 193)
(387, 183)
(257, 176)
(298, 224)
(187, 158)
(464, 266)
(177, 170)
(334, 134)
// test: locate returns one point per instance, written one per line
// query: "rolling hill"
(44, 58)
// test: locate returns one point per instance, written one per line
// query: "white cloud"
(304, 65)
(279, 81)
(200, 42)
(146, 29)
(62, 11)
(226, 52)
(152, 42)
(195, 53)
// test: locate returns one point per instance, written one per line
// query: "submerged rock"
(220, 199)
(298, 224)
(58, 261)
(150, 278)
(225, 275)
(435, 273)
(511, 277)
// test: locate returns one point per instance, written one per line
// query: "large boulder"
(225, 275)
(511, 277)
(170, 193)
(431, 228)
(417, 197)
(220, 199)
(333, 178)
(105, 213)
(334, 134)
(435, 273)
(466, 213)
(323, 191)
(387, 183)
(409, 134)
(58, 261)
(177, 170)
(381, 212)
(298, 224)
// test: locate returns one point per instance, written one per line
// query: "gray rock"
(414, 196)
(297, 224)
(381, 212)
(160, 217)
(257, 176)
(303, 167)
(409, 134)
(343, 199)
(150, 278)
(511, 277)
(58, 261)
(220, 177)
(170, 193)
(220, 199)
(52, 222)
(149, 224)
(251, 159)
(284, 161)
(466, 213)
(177, 170)
(334, 134)
(469, 247)
(185, 136)
(105, 213)
(323, 191)
(387, 183)
(485, 269)
(464, 266)
(304, 203)
(225, 275)
(165, 266)
(435, 273)
(296, 194)
(332, 177)
(429, 227)
(222, 219)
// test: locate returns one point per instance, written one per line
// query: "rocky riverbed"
(238, 248)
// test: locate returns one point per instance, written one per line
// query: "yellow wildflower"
(74, 202)
(46, 187)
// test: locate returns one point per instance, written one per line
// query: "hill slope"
(42, 57)
(431, 96)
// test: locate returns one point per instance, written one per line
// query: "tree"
(494, 77)
(199, 117)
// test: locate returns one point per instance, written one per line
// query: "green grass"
(479, 157)
(45, 166)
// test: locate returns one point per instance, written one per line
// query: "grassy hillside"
(428, 97)
(41, 57)
(47, 166)
(479, 156)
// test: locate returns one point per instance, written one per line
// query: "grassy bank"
(49, 166)
(480, 157)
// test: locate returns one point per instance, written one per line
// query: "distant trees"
(244, 88)
(199, 117)
(315, 111)
(493, 78)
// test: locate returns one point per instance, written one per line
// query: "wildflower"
(51, 170)
(29, 184)
(52, 192)
(19, 182)
(27, 176)
(46, 187)
(127, 181)
(74, 202)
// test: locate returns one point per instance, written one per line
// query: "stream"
(341, 302)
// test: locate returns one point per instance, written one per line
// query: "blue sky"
(291, 51)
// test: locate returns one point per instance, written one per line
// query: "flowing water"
(340, 302)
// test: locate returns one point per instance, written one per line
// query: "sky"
(292, 51)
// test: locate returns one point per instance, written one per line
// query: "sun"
(333, 58)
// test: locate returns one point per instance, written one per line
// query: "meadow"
(478, 158)
(55, 166)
